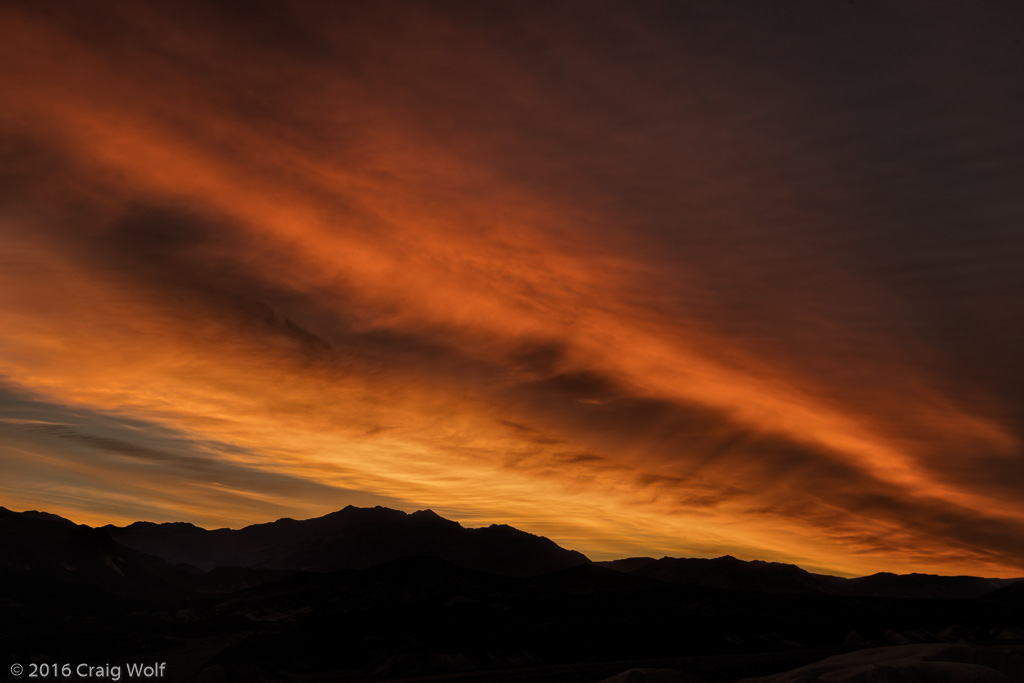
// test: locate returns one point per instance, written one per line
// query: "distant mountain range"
(145, 555)
(352, 538)
(378, 594)
(775, 577)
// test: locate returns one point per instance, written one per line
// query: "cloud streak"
(670, 279)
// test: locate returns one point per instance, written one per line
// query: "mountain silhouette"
(775, 577)
(147, 556)
(377, 594)
(41, 546)
(731, 573)
(887, 584)
(352, 538)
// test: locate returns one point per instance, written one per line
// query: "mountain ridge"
(424, 615)
(357, 538)
(731, 573)
(350, 538)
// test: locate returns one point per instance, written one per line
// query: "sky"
(653, 278)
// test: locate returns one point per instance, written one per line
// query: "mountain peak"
(36, 514)
(428, 516)
(351, 538)
(49, 516)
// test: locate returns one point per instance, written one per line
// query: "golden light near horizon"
(639, 294)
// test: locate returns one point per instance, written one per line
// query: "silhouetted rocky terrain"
(317, 600)
(352, 538)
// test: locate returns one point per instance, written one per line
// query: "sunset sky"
(649, 278)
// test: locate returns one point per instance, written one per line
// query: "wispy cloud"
(672, 279)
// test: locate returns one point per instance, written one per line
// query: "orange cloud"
(334, 256)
